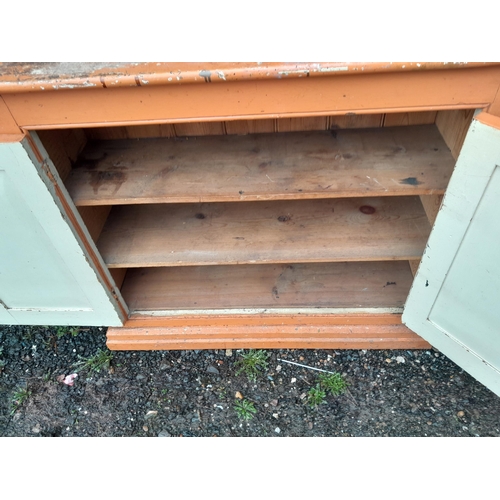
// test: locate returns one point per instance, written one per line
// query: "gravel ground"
(194, 393)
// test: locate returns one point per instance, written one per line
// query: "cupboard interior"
(324, 213)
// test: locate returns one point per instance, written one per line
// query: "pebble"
(277, 430)
(278, 368)
(400, 359)
(212, 369)
(276, 415)
(238, 395)
(460, 414)
(145, 428)
(229, 352)
(310, 425)
(293, 380)
(163, 434)
(151, 414)
(140, 377)
(274, 402)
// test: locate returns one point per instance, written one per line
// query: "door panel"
(45, 277)
(454, 302)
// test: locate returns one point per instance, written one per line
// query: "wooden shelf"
(348, 229)
(319, 285)
(390, 161)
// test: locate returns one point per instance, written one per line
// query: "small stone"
(212, 369)
(238, 395)
(310, 425)
(388, 360)
(151, 414)
(400, 359)
(301, 358)
(229, 352)
(276, 415)
(460, 414)
(274, 402)
(163, 367)
(145, 428)
(277, 430)
(36, 429)
(278, 368)
(140, 377)
(303, 395)
(293, 380)
(164, 434)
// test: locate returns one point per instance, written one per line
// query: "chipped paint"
(207, 75)
(337, 68)
(30, 77)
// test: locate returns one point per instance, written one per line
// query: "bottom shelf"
(348, 305)
(338, 285)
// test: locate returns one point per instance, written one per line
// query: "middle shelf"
(321, 230)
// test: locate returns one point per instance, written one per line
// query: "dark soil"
(193, 393)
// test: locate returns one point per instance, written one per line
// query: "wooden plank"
(355, 121)
(299, 124)
(147, 131)
(244, 127)
(106, 133)
(431, 205)
(332, 285)
(94, 219)
(403, 119)
(376, 331)
(344, 163)
(453, 126)
(349, 229)
(63, 148)
(199, 129)
(414, 266)
(118, 275)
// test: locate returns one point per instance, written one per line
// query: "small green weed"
(316, 396)
(252, 363)
(61, 331)
(332, 383)
(18, 399)
(245, 409)
(99, 361)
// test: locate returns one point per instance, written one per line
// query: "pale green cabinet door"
(45, 277)
(454, 302)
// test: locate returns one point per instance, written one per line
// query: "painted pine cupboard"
(268, 205)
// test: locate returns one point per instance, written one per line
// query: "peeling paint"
(336, 68)
(145, 82)
(299, 72)
(207, 75)
(221, 75)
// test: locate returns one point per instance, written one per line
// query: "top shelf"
(395, 161)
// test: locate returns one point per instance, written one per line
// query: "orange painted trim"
(44, 77)
(8, 125)
(489, 119)
(348, 93)
(291, 332)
